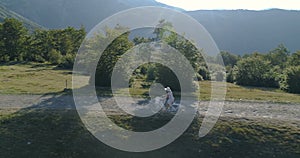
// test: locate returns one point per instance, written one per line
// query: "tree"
(231, 74)
(13, 35)
(255, 71)
(68, 40)
(41, 44)
(278, 56)
(294, 59)
(229, 59)
(111, 54)
(164, 33)
(291, 82)
(67, 61)
(203, 71)
(55, 57)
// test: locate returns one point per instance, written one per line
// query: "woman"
(169, 98)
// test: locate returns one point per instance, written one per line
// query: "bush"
(67, 61)
(4, 58)
(55, 57)
(38, 58)
(203, 71)
(291, 80)
(255, 71)
(230, 77)
(199, 77)
(151, 73)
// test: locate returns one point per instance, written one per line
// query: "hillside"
(6, 13)
(238, 31)
(244, 31)
(63, 13)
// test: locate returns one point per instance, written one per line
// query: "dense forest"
(277, 68)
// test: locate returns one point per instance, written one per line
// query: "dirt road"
(234, 109)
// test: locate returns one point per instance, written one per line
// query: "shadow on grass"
(52, 128)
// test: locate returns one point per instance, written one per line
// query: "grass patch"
(33, 78)
(236, 93)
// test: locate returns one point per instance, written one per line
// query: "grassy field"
(34, 78)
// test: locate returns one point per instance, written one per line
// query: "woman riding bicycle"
(169, 98)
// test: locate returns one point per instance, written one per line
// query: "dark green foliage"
(264, 70)
(278, 56)
(110, 56)
(12, 39)
(67, 61)
(186, 48)
(254, 71)
(55, 57)
(167, 78)
(139, 40)
(229, 59)
(231, 74)
(54, 46)
(291, 80)
(152, 73)
(294, 59)
(203, 71)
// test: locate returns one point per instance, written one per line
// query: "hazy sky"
(233, 4)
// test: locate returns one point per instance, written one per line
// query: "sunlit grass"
(33, 78)
(239, 93)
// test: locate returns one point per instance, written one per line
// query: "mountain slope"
(244, 31)
(6, 13)
(238, 31)
(63, 13)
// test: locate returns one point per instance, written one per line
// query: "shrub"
(291, 80)
(55, 57)
(255, 71)
(203, 71)
(230, 77)
(151, 73)
(67, 61)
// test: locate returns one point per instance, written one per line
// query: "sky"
(233, 4)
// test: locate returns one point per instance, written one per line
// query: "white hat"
(168, 89)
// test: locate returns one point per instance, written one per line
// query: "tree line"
(151, 72)
(277, 68)
(57, 46)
